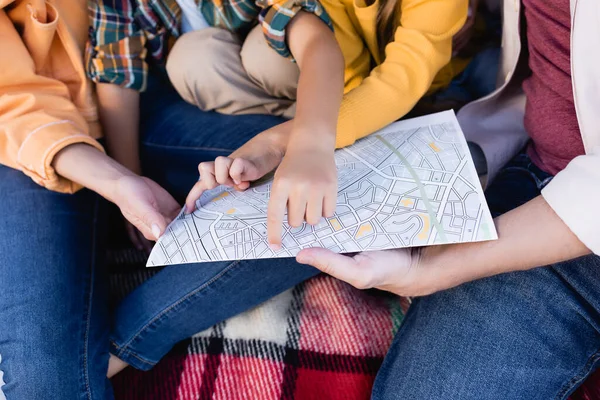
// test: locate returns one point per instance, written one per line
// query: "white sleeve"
(574, 194)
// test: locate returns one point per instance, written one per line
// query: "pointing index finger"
(275, 213)
(195, 193)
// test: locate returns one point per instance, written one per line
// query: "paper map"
(411, 184)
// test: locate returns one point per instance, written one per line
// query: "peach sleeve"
(37, 116)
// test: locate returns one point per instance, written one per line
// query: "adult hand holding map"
(411, 184)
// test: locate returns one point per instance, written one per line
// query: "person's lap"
(523, 334)
(183, 300)
(176, 137)
(53, 313)
(533, 334)
(54, 340)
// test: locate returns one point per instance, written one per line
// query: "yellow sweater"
(416, 62)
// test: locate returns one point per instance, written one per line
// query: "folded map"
(411, 184)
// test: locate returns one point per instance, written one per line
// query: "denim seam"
(401, 329)
(166, 311)
(532, 174)
(165, 146)
(581, 376)
(89, 302)
(124, 351)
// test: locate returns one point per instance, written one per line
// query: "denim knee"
(34, 369)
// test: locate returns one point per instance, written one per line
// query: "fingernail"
(185, 209)
(156, 231)
(303, 259)
(275, 246)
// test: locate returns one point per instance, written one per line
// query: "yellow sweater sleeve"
(422, 46)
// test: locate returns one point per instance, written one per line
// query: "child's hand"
(305, 183)
(233, 172)
(252, 161)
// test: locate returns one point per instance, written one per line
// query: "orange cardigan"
(46, 101)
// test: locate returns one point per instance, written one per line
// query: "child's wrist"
(274, 139)
(313, 136)
(316, 128)
(279, 136)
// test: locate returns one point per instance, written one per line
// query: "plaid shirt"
(123, 33)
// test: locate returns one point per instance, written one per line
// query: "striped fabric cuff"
(275, 17)
(121, 63)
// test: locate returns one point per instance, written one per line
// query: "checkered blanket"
(322, 340)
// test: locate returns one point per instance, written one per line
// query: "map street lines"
(410, 184)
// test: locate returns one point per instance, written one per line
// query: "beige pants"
(213, 70)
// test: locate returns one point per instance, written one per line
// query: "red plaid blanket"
(321, 340)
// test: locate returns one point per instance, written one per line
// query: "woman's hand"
(306, 184)
(259, 156)
(142, 201)
(417, 271)
(146, 205)
(404, 272)
(529, 236)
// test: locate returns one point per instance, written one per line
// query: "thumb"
(337, 265)
(242, 170)
(155, 223)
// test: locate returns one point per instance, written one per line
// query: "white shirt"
(191, 18)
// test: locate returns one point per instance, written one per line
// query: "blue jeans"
(55, 328)
(476, 81)
(176, 136)
(522, 335)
